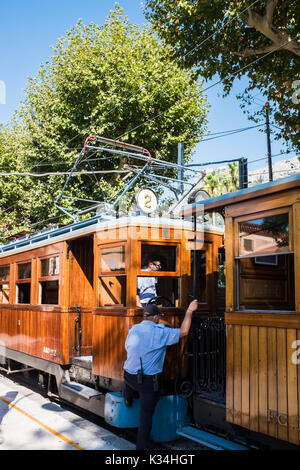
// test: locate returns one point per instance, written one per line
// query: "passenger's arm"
(186, 324)
(138, 301)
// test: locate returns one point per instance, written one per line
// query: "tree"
(212, 184)
(217, 183)
(225, 36)
(114, 80)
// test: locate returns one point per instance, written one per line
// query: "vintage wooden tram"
(68, 297)
(262, 314)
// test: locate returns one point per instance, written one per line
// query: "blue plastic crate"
(170, 414)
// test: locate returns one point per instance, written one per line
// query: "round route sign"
(146, 200)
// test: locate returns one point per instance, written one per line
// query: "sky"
(28, 29)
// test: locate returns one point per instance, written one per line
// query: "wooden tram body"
(69, 294)
(262, 314)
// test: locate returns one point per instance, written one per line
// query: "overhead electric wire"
(288, 170)
(62, 173)
(217, 134)
(205, 89)
(240, 129)
(266, 157)
(159, 75)
(230, 133)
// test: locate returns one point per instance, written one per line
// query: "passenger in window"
(146, 286)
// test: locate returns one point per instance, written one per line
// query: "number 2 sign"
(146, 200)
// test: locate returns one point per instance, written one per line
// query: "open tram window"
(23, 284)
(164, 255)
(49, 280)
(168, 290)
(154, 280)
(198, 275)
(265, 265)
(49, 292)
(4, 284)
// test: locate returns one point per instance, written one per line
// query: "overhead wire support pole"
(180, 161)
(243, 173)
(158, 180)
(130, 184)
(173, 208)
(141, 157)
(267, 107)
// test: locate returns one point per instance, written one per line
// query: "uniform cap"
(151, 309)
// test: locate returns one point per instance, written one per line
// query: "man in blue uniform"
(146, 346)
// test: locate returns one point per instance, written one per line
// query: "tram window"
(4, 273)
(264, 235)
(23, 290)
(221, 267)
(200, 281)
(23, 293)
(113, 259)
(163, 286)
(266, 283)
(49, 281)
(168, 289)
(49, 292)
(50, 266)
(112, 291)
(4, 293)
(4, 284)
(24, 271)
(165, 254)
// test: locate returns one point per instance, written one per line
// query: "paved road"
(29, 421)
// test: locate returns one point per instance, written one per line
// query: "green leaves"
(216, 183)
(114, 80)
(224, 37)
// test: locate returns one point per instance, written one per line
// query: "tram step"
(79, 390)
(208, 439)
(83, 361)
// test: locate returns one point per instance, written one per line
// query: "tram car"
(68, 297)
(261, 384)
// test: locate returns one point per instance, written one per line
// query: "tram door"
(81, 292)
(208, 333)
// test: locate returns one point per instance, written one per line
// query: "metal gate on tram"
(209, 357)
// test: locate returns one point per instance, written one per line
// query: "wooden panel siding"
(39, 333)
(263, 380)
(109, 335)
(48, 331)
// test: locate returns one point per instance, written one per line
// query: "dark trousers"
(148, 401)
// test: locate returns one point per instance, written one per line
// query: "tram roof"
(213, 204)
(91, 225)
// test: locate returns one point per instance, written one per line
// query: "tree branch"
(264, 25)
(250, 52)
(270, 7)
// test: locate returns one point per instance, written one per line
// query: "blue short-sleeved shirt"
(148, 341)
